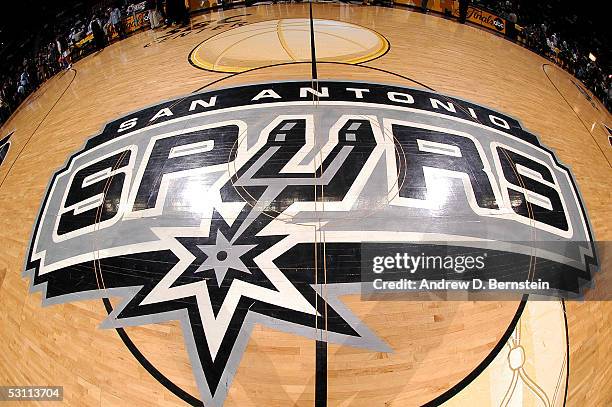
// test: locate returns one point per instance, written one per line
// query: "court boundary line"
(461, 385)
(321, 346)
(150, 367)
(575, 114)
(10, 167)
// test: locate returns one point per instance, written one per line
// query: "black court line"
(32, 97)
(38, 126)
(313, 52)
(321, 374)
(567, 352)
(159, 376)
(321, 343)
(576, 114)
(453, 391)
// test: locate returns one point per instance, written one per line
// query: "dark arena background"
(327, 203)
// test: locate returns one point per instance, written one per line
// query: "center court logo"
(227, 209)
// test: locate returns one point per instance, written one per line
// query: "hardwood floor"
(436, 343)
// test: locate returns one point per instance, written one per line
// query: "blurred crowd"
(541, 32)
(79, 36)
(572, 57)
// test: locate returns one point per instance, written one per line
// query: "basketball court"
(185, 216)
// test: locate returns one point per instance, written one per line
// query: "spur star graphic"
(222, 256)
(217, 320)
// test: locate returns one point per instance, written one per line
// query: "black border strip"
(320, 374)
(5, 142)
(321, 368)
(313, 52)
(567, 352)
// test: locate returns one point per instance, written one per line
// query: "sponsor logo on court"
(484, 19)
(256, 204)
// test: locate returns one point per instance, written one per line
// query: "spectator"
(115, 20)
(21, 92)
(64, 44)
(463, 9)
(96, 29)
(24, 80)
(64, 52)
(155, 18)
(159, 6)
(176, 12)
(511, 26)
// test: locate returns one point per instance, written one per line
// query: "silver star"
(222, 256)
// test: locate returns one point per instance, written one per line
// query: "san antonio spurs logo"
(254, 205)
